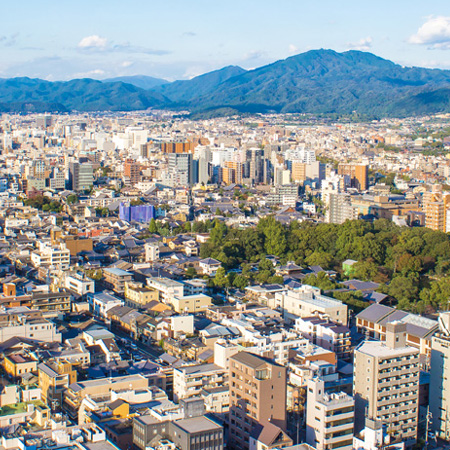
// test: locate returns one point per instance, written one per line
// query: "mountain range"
(317, 82)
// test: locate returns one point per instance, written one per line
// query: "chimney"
(396, 334)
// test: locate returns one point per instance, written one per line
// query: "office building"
(181, 167)
(81, 176)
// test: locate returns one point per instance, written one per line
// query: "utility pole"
(427, 423)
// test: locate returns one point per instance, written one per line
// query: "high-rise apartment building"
(386, 384)
(439, 379)
(257, 394)
(435, 205)
(329, 417)
(340, 209)
(131, 172)
(298, 171)
(358, 173)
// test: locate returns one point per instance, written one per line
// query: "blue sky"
(175, 39)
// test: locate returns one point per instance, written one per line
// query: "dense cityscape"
(258, 281)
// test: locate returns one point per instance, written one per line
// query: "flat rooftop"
(381, 350)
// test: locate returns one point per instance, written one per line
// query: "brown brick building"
(257, 394)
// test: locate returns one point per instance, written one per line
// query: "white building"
(48, 255)
(308, 301)
(329, 418)
(101, 303)
(439, 378)
(182, 324)
(168, 289)
(151, 251)
(374, 437)
(223, 351)
(79, 283)
(189, 381)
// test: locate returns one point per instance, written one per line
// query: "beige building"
(308, 301)
(329, 418)
(57, 257)
(54, 378)
(257, 394)
(189, 381)
(136, 294)
(76, 392)
(191, 303)
(439, 379)
(386, 384)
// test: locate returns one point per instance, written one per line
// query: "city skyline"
(179, 41)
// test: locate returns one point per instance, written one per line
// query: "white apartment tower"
(386, 384)
(329, 418)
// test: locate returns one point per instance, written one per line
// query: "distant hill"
(317, 82)
(140, 81)
(324, 81)
(35, 95)
(183, 92)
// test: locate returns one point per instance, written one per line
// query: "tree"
(321, 280)
(437, 295)
(220, 279)
(191, 272)
(240, 281)
(274, 235)
(152, 227)
(72, 199)
(404, 290)
(317, 258)
(365, 270)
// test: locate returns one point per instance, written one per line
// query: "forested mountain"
(35, 95)
(317, 82)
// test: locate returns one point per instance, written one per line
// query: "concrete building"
(81, 176)
(56, 257)
(116, 279)
(23, 322)
(190, 380)
(386, 384)
(257, 394)
(340, 209)
(167, 288)
(374, 437)
(308, 301)
(181, 165)
(439, 379)
(151, 251)
(102, 302)
(329, 417)
(326, 334)
(191, 303)
(79, 283)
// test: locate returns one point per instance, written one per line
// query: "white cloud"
(293, 49)
(364, 44)
(93, 42)
(127, 64)
(435, 33)
(90, 74)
